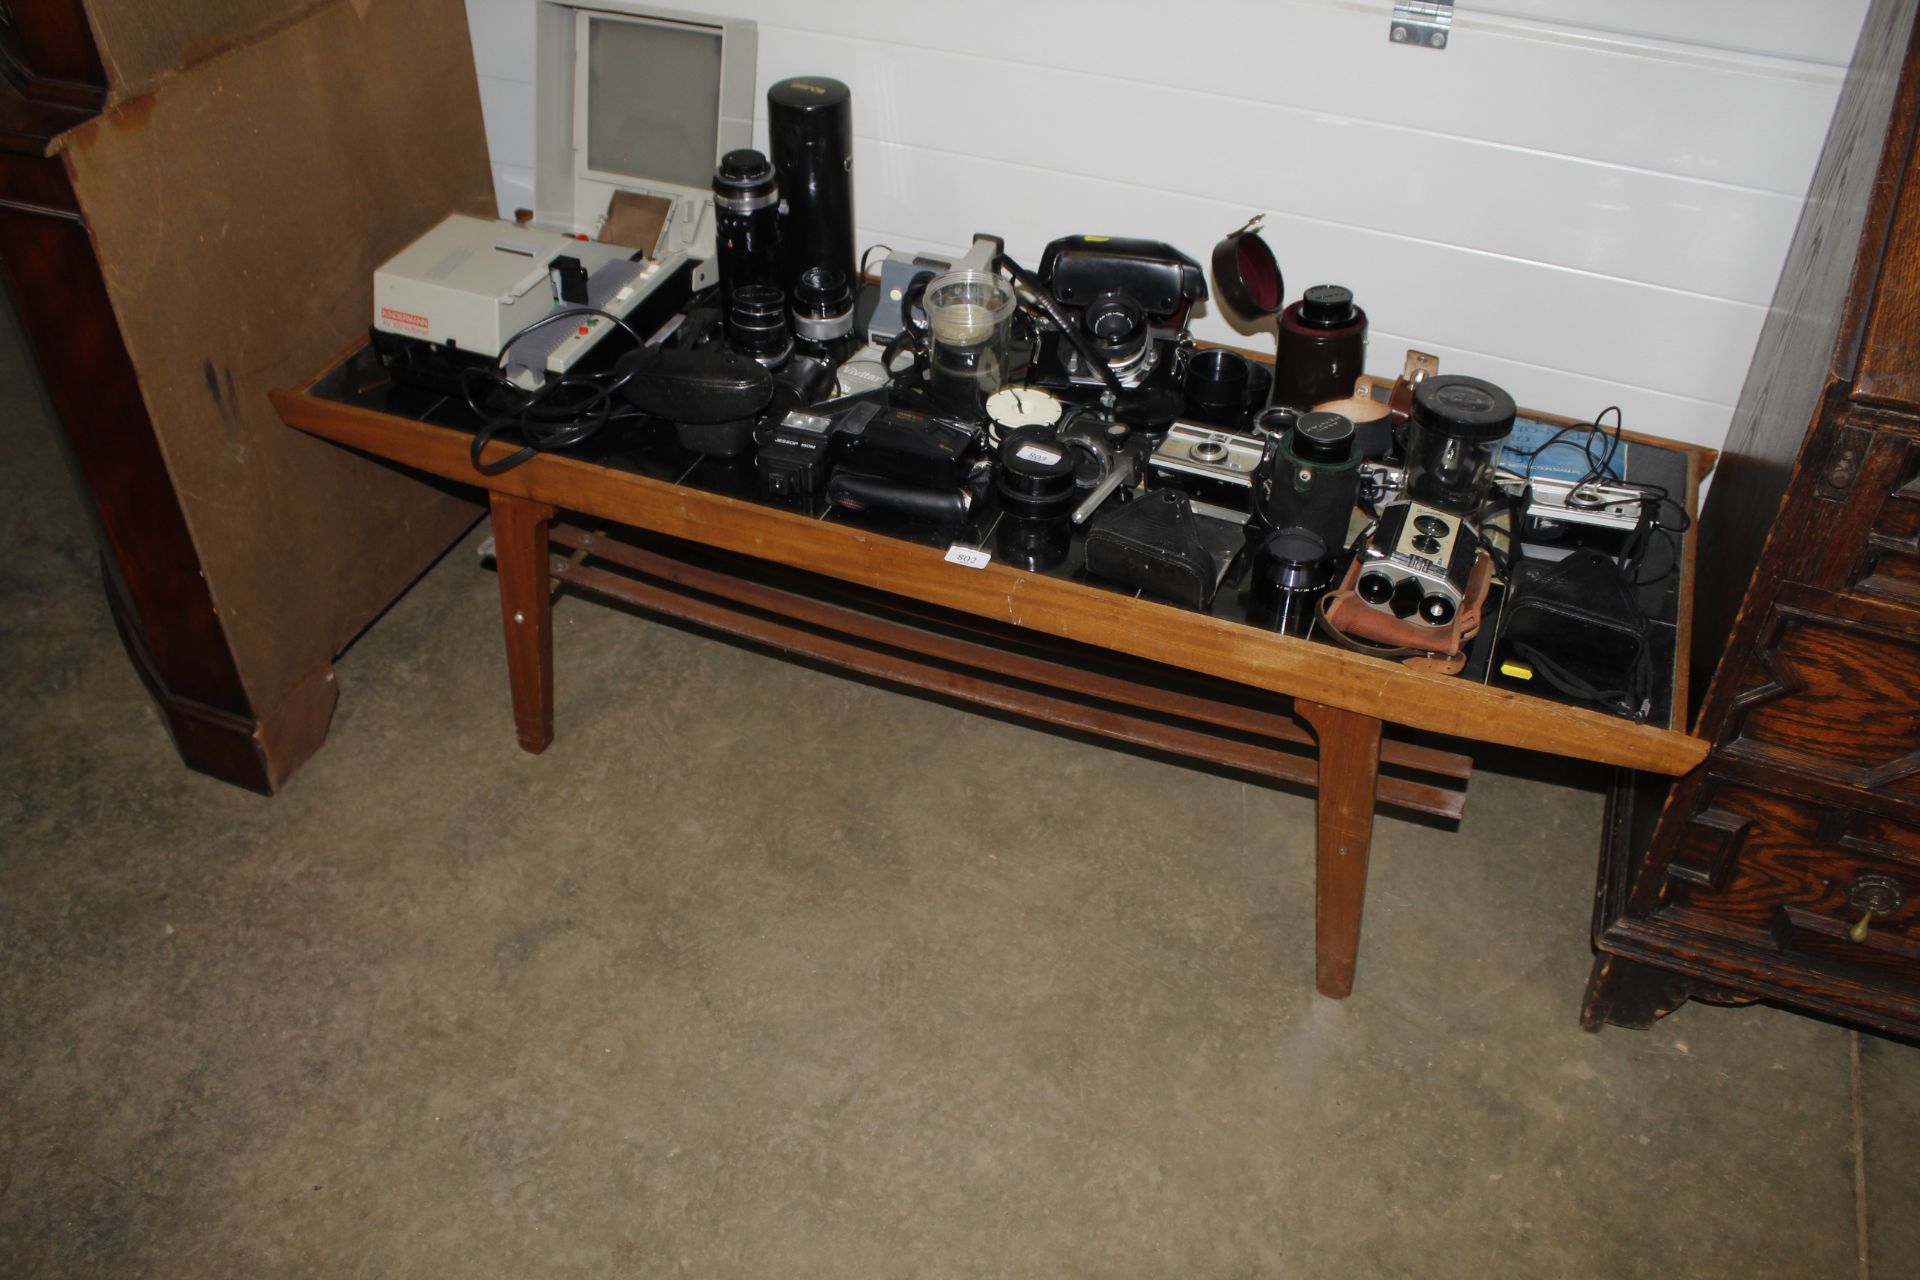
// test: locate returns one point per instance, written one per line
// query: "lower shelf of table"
(1153, 706)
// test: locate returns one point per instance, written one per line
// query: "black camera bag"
(1157, 544)
(1579, 625)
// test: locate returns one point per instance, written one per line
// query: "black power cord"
(1655, 500)
(1597, 467)
(559, 414)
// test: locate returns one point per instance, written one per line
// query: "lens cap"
(1035, 475)
(1247, 275)
(809, 94)
(1322, 436)
(1463, 407)
(744, 168)
(1327, 306)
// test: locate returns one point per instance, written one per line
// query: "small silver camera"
(1212, 467)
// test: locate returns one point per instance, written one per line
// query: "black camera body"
(1129, 299)
(911, 447)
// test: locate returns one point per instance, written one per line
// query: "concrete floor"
(760, 972)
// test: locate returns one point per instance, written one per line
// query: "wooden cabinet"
(1786, 868)
(179, 241)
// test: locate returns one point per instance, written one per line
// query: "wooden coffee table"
(656, 531)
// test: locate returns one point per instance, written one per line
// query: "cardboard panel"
(140, 41)
(239, 209)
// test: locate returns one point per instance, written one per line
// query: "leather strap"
(1352, 623)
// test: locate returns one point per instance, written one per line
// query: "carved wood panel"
(1835, 698)
(1788, 888)
(1889, 565)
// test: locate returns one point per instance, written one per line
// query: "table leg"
(1349, 770)
(526, 609)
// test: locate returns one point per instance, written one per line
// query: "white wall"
(1587, 202)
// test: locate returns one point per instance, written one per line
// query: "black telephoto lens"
(746, 214)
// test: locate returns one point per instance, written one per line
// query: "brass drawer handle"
(1872, 895)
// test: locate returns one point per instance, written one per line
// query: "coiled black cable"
(559, 414)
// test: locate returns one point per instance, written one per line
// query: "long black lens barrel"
(810, 125)
(746, 216)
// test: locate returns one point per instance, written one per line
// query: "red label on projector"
(404, 319)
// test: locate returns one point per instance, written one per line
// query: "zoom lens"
(757, 324)
(746, 208)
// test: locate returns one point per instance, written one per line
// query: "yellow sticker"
(1518, 670)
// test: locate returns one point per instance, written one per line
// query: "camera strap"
(1354, 624)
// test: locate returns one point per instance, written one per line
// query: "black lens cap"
(1323, 436)
(744, 167)
(1326, 305)
(1463, 407)
(1035, 476)
(809, 94)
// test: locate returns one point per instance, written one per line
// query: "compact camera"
(1214, 468)
(913, 448)
(1417, 563)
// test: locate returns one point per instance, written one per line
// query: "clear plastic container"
(1454, 436)
(968, 316)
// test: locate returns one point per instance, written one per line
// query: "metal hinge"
(1422, 22)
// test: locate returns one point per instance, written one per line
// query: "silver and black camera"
(1418, 562)
(1214, 468)
(1129, 301)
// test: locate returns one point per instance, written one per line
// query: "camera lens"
(744, 178)
(757, 324)
(1295, 560)
(1295, 565)
(822, 305)
(1035, 475)
(746, 221)
(1374, 588)
(1118, 326)
(1437, 610)
(1274, 421)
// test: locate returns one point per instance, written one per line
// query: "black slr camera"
(1129, 300)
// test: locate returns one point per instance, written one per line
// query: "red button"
(583, 331)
